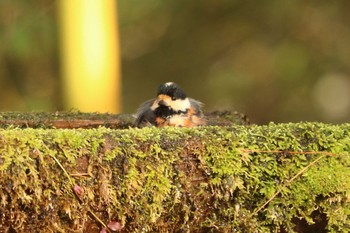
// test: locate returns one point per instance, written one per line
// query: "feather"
(196, 105)
(144, 114)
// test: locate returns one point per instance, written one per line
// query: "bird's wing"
(197, 105)
(144, 114)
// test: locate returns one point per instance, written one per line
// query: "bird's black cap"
(171, 89)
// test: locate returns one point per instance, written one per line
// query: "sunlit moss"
(205, 179)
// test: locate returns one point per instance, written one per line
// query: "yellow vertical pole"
(90, 55)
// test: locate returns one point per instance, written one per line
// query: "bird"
(171, 107)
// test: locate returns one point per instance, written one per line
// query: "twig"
(288, 152)
(62, 168)
(79, 200)
(289, 181)
(79, 174)
(98, 219)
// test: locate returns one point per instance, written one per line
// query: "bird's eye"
(173, 98)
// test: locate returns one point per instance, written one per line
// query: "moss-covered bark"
(76, 119)
(206, 179)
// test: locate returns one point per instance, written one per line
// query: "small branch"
(79, 174)
(62, 168)
(288, 152)
(290, 181)
(97, 218)
(323, 153)
(76, 196)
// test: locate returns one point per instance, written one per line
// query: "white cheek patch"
(179, 104)
(176, 105)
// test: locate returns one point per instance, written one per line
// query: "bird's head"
(171, 96)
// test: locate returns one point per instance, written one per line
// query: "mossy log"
(81, 120)
(233, 178)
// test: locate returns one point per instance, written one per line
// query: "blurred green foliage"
(273, 60)
(29, 72)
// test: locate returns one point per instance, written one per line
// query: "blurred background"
(273, 60)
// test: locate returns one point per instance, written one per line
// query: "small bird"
(171, 107)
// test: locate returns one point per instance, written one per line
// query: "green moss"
(69, 119)
(206, 179)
